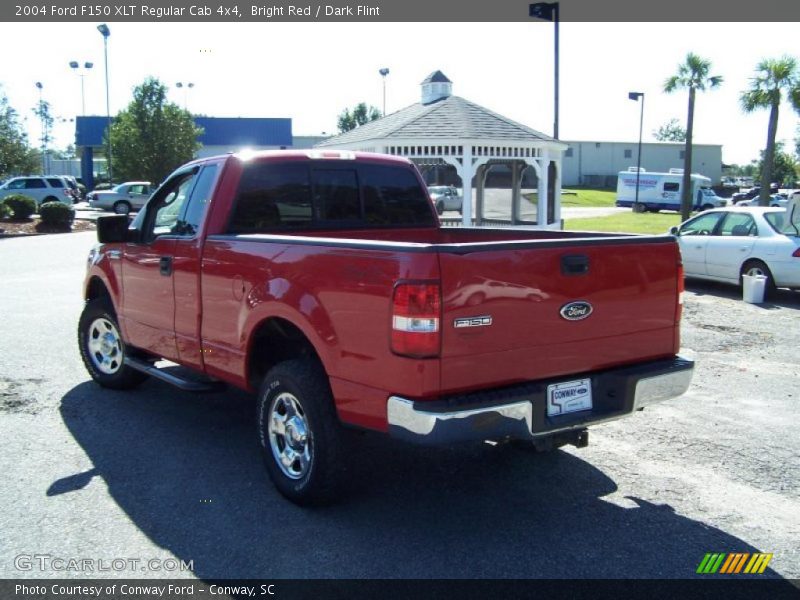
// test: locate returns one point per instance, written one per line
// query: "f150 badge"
(576, 311)
(481, 321)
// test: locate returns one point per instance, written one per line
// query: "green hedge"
(57, 214)
(22, 207)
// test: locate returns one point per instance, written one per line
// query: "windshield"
(437, 189)
(120, 189)
(779, 221)
(707, 192)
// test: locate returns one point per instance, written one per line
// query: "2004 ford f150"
(324, 282)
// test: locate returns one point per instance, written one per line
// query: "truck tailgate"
(502, 309)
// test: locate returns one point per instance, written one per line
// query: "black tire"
(439, 208)
(706, 207)
(315, 480)
(639, 208)
(122, 207)
(97, 315)
(49, 199)
(757, 267)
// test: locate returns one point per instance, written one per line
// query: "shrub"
(57, 214)
(21, 206)
(4, 210)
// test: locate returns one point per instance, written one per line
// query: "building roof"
(449, 118)
(436, 77)
(217, 131)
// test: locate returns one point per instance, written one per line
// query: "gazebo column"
(516, 191)
(557, 198)
(466, 173)
(541, 208)
(480, 179)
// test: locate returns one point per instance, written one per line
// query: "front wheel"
(103, 349)
(299, 432)
(122, 207)
(756, 267)
(439, 208)
(706, 207)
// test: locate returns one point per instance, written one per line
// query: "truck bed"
(519, 278)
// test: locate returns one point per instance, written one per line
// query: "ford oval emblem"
(575, 311)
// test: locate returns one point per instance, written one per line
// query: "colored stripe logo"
(733, 563)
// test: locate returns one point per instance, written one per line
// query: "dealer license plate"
(568, 397)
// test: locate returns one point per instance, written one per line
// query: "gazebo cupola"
(435, 87)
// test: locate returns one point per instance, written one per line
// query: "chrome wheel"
(105, 346)
(289, 436)
(122, 208)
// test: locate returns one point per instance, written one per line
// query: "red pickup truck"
(323, 282)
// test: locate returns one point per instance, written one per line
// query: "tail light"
(416, 318)
(796, 253)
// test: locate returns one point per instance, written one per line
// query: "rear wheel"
(707, 207)
(299, 432)
(103, 349)
(50, 199)
(122, 207)
(439, 208)
(756, 267)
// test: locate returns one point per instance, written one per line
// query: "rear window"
(779, 221)
(55, 182)
(275, 196)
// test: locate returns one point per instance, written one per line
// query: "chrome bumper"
(519, 412)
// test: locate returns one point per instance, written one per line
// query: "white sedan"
(725, 243)
(122, 199)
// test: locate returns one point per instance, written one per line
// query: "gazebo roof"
(449, 118)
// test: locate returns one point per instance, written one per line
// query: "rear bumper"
(519, 412)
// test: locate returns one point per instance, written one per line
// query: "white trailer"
(662, 191)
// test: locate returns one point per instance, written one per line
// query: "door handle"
(165, 265)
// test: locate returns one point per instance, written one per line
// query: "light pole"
(548, 11)
(75, 66)
(384, 72)
(635, 96)
(105, 32)
(43, 120)
(188, 86)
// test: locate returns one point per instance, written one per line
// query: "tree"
(773, 78)
(692, 75)
(783, 168)
(16, 156)
(151, 137)
(671, 131)
(361, 114)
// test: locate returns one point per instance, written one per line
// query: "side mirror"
(674, 231)
(112, 229)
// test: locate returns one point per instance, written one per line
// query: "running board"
(187, 385)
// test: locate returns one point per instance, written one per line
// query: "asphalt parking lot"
(162, 474)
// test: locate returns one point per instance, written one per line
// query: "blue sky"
(311, 71)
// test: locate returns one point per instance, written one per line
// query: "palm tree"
(773, 77)
(692, 75)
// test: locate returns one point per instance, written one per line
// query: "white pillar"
(557, 211)
(516, 189)
(466, 173)
(541, 208)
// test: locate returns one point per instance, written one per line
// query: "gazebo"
(443, 129)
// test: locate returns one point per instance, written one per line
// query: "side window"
(336, 195)
(135, 189)
(739, 225)
(671, 186)
(35, 183)
(189, 223)
(18, 184)
(55, 182)
(162, 218)
(702, 225)
(270, 196)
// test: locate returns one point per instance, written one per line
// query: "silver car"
(445, 197)
(122, 199)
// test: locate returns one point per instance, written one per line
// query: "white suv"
(41, 189)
